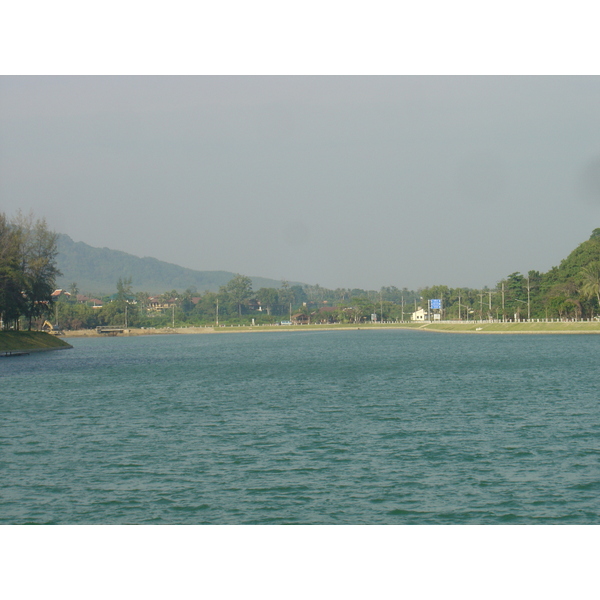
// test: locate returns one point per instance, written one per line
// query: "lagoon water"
(308, 427)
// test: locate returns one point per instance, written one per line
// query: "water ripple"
(388, 427)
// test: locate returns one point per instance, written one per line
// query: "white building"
(420, 315)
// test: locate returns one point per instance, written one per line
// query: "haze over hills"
(96, 271)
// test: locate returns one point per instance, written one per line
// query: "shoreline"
(19, 343)
(26, 351)
(520, 328)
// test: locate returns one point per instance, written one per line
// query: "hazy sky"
(341, 181)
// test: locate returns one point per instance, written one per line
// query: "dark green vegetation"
(569, 291)
(96, 269)
(235, 303)
(27, 270)
(29, 341)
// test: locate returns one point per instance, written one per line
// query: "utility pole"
(490, 303)
(173, 307)
(528, 300)
(217, 312)
(402, 307)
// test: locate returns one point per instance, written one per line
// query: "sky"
(341, 181)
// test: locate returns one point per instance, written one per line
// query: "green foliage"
(124, 292)
(286, 296)
(27, 269)
(590, 281)
(571, 290)
(268, 297)
(70, 315)
(239, 291)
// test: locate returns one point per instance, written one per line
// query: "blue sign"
(435, 304)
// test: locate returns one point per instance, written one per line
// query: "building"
(56, 294)
(420, 315)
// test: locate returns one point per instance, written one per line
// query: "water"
(340, 427)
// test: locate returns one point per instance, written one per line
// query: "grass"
(556, 327)
(28, 341)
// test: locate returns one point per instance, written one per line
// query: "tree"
(124, 292)
(142, 299)
(187, 303)
(563, 299)
(286, 297)
(116, 313)
(11, 276)
(240, 290)
(590, 286)
(38, 250)
(267, 297)
(299, 295)
(27, 268)
(206, 308)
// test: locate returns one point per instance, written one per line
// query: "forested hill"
(568, 291)
(96, 271)
(572, 268)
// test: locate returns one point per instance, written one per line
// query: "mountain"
(96, 271)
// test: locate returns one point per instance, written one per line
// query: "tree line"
(569, 291)
(28, 269)
(28, 272)
(235, 303)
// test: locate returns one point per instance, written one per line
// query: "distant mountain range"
(96, 271)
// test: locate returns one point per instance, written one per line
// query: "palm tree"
(590, 285)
